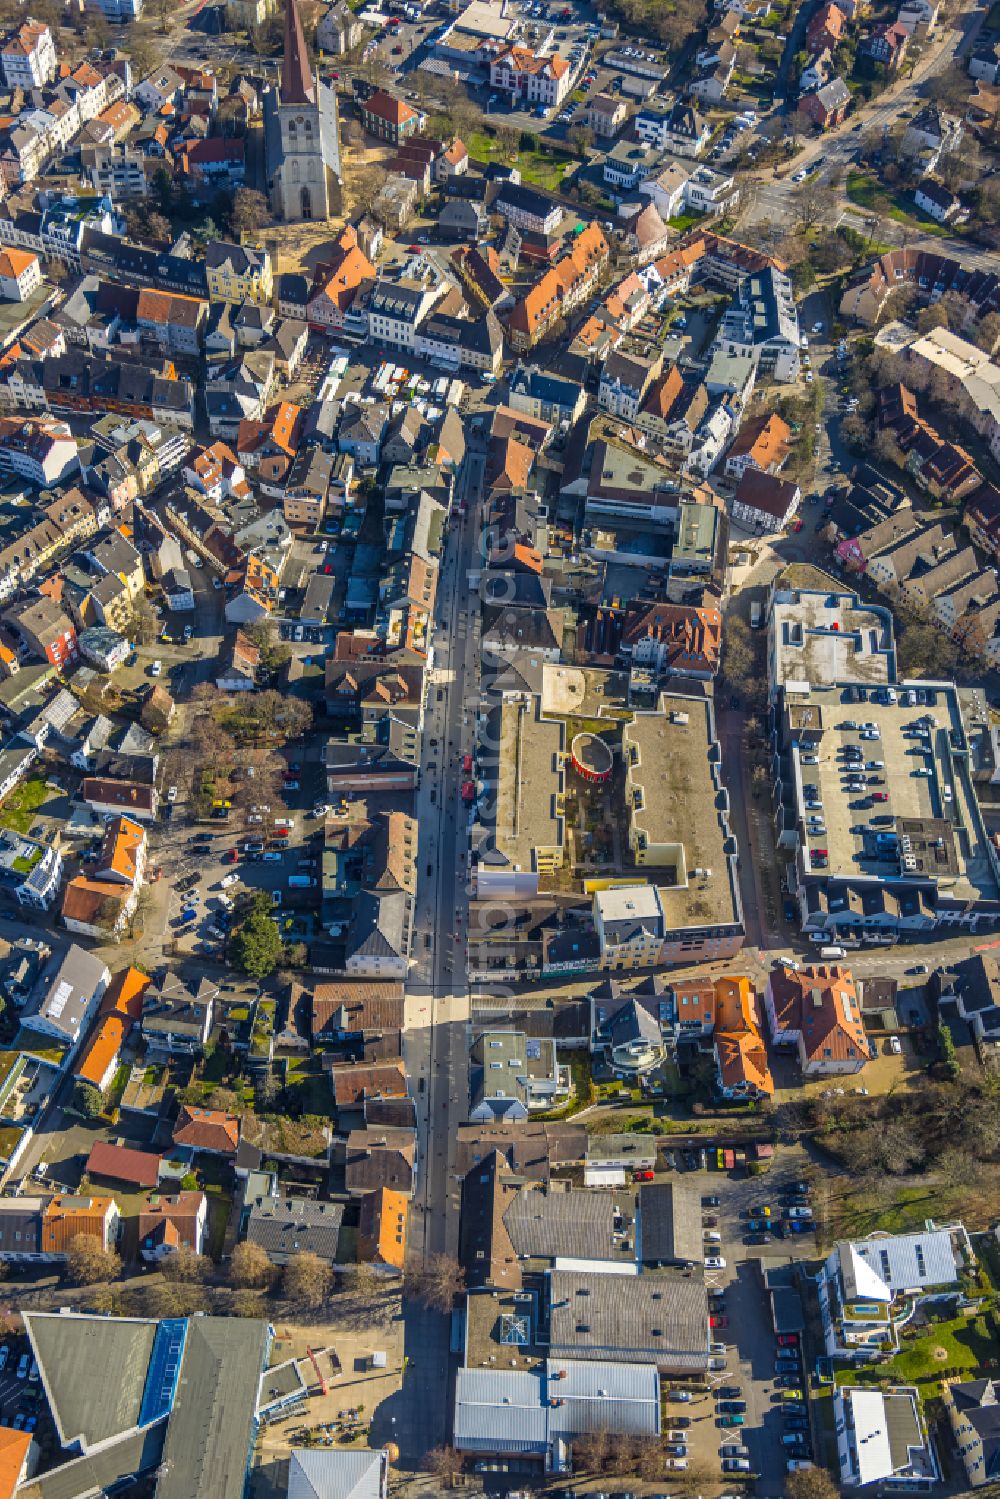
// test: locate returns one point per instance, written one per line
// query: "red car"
(335, 76)
(880, 796)
(714, 1321)
(232, 856)
(797, 526)
(642, 1176)
(788, 1340)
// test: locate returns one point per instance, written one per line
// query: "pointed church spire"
(296, 76)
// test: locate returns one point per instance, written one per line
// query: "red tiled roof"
(139, 1168)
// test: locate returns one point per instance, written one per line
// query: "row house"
(63, 522)
(568, 283)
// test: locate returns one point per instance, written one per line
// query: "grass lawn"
(220, 1205)
(481, 146)
(543, 171)
(18, 811)
(309, 1086)
(539, 168)
(869, 194)
(922, 1361)
(684, 221)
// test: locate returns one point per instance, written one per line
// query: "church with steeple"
(301, 133)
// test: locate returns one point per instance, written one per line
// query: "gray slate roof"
(293, 1225)
(669, 1224)
(657, 1319)
(543, 1224)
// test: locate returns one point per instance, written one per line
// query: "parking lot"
(740, 1308)
(22, 1399)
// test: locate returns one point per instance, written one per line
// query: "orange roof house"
(64, 1218)
(817, 1010)
(560, 289)
(762, 443)
(14, 263)
(168, 1223)
(98, 1060)
(95, 908)
(335, 283)
(122, 856)
(382, 1228)
(14, 1449)
(740, 1053)
(123, 996)
(674, 637)
(355, 1082)
(209, 1130)
(508, 464)
(120, 1163)
(270, 445)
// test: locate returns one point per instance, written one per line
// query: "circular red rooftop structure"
(591, 758)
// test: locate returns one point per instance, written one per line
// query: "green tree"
(87, 1100)
(256, 944)
(946, 1051)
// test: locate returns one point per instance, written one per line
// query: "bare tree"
(444, 1464)
(364, 187)
(507, 142)
(590, 1452)
(581, 138)
(814, 202)
(436, 1282)
(247, 1304)
(934, 316)
(87, 1261)
(184, 1266)
(250, 1268)
(249, 212)
(811, 1483)
(306, 1280)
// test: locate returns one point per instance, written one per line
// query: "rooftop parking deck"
(871, 775)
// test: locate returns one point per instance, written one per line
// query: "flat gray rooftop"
(213, 1421)
(99, 1471)
(94, 1372)
(822, 637)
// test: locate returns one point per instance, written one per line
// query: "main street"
(436, 1042)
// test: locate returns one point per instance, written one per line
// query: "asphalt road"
(437, 1003)
(774, 200)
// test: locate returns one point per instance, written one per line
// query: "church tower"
(301, 133)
